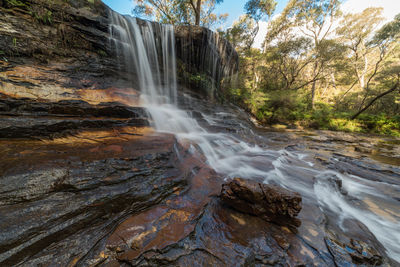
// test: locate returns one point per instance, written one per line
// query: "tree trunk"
(333, 80)
(313, 88)
(375, 98)
(198, 12)
(313, 94)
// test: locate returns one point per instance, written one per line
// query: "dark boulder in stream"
(270, 202)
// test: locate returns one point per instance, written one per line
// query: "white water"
(227, 154)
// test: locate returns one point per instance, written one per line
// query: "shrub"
(346, 125)
(43, 16)
(15, 3)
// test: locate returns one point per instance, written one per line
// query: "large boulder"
(272, 203)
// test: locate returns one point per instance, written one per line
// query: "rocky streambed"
(115, 193)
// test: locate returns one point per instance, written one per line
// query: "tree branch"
(376, 98)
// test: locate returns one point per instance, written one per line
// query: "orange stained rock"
(34, 77)
(74, 261)
(127, 96)
(26, 73)
(155, 228)
(87, 145)
(102, 136)
(167, 224)
(49, 93)
(238, 219)
(374, 207)
(48, 84)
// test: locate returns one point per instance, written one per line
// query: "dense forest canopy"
(319, 66)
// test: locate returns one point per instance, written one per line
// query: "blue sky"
(234, 8)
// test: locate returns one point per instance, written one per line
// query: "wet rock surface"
(355, 251)
(196, 229)
(29, 119)
(127, 197)
(204, 59)
(270, 202)
(59, 200)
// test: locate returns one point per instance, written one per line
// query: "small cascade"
(148, 50)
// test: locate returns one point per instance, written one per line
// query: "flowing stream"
(149, 50)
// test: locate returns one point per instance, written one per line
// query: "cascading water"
(139, 49)
(148, 49)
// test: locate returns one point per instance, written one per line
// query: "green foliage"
(15, 3)
(290, 108)
(257, 9)
(317, 12)
(193, 12)
(242, 32)
(310, 76)
(389, 32)
(355, 28)
(200, 79)
(43, 16)
(2, 55)
(381, 124)
(321, 116)
(102, 53)
(346, 125)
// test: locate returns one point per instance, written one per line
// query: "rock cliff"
(61, 50)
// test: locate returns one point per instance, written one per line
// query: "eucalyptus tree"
(313, 19)
(193, 12)
(257, 10)
(242, 33)
(289, 59)
(244, 30)
(387, 41)
(365, 58)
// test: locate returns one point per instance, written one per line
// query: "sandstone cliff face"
(57, 48)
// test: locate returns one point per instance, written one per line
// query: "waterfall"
(138, 46)
(148, 50)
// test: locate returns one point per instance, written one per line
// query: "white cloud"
(259, 39)
(390, 7)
